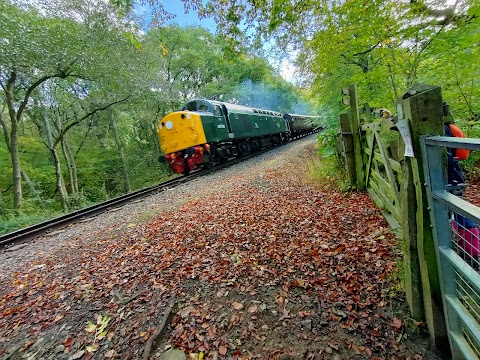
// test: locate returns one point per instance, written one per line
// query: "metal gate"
(456, 246)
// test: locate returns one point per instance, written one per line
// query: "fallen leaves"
(68, 341)
(268, 260)
(222, 350)
(237, 305)
(77, 355)
(397, 323)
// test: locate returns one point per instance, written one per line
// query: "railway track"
(23, 235)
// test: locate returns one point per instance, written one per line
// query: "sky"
(286, 68)
(191, 18)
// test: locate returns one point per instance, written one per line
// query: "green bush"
(326, 170)
(327, 143)
(471, 166)
(328, 173)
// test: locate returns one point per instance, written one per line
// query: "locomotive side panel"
(216, 129)
(256, 125)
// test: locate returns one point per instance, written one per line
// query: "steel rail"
(22, 235)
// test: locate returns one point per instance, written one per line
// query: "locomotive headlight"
(169, 125)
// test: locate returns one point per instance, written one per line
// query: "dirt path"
(260, 263)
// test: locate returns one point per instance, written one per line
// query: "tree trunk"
(31, 187)
(69, 166)
(72, 166)
(7, 142)
(2, 205)
(69, 158)
(6, 131)
(17, 172)
(126, 180)
(60, 183)
(13, 144)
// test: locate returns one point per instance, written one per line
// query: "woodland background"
(84, 82)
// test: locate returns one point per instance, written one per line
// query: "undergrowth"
(397, 276)
(325, 168)
(327, 172)
(12, 223)
(471, 166)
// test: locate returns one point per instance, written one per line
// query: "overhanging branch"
(86, 116)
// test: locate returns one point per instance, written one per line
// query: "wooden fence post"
(422, 109)
(357, 145)
(347, 147)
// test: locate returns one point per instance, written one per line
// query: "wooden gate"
(376, 160)
(382, 170)
(369, 148)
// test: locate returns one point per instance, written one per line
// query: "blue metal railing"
(456, 246)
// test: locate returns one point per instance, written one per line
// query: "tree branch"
(5, 128)
(9, 95)
(62, 74)
(370, 49)
(84, 139)
(29, 93)
(86, 116)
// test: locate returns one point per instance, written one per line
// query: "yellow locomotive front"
(182, 136)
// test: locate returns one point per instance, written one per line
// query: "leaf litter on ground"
(270, 266)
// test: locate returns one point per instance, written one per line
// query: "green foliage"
(11, 222)
(75, 66)
(471, 166)
(327, 143)
(382, 46)
(328, 173)
(327, 169)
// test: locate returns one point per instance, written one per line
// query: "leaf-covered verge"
(268, 266)
(471, 193)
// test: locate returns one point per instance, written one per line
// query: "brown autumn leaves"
(269, 266)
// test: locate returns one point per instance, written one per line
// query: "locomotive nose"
(180, 130)
(168, 125)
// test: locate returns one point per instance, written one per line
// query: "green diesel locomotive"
(208, 131)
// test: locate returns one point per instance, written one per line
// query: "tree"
(382, 45)
(42, 49)
(118, 142)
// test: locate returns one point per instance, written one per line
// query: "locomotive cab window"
(191, 106)
(217, 111)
